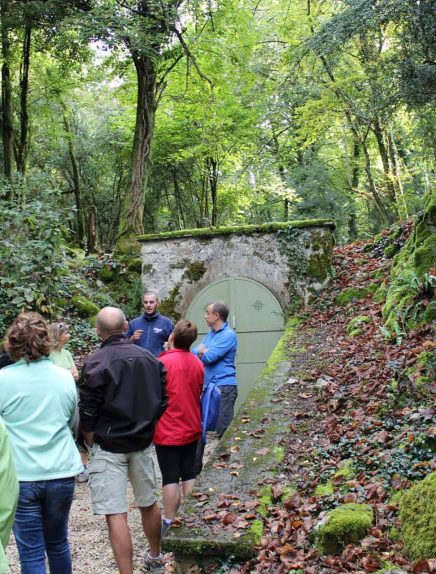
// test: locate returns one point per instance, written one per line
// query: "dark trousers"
(229, 394)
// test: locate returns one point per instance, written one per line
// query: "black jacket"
(122, 395)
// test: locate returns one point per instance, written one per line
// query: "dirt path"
(88, 538)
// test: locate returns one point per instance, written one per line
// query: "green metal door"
(255, 315)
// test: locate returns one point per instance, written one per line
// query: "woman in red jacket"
(179, 429)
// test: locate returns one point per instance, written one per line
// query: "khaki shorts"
(108, 473)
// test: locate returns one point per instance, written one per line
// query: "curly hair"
(28, 338)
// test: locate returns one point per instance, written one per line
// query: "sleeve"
(218, 348)
(91, 396)
(8, 494)
(130, 330)
(163, 387)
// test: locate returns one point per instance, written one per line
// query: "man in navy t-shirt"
(151, 330)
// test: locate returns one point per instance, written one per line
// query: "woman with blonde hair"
(60, 335)
(38, 403)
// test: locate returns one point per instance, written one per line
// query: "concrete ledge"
(236, 477)
(238, 230)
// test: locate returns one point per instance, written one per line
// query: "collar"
(114, 339)
(151, 317)
(221, 328)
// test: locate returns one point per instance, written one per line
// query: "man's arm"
(91, 393)
(217, 348)
(163, 386)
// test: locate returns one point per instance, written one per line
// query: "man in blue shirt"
(151, 330)
(217, 352)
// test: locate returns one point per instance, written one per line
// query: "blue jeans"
(41, 525)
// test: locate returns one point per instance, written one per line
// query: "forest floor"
(359, 405)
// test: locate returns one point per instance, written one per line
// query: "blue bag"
(210, 407)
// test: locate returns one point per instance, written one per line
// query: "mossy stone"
(418, 518)
(239, 230)
(354, 293)
(107, 274)
(425, 256)
(356, 325)
(429, 315)
(84, 305)
(135, 265)
(344, 525)
(391, 250)
(324, 489)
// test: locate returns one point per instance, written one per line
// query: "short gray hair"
(221, 308)
(111, 321)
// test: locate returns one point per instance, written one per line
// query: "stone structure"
(292, 259)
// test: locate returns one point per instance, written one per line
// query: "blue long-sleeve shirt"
(219, 359)
(157, 329)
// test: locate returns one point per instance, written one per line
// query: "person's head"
(110, 321)
(28, 338)
(216, 314)
(59, 334)
(184, 334)
(151, 302)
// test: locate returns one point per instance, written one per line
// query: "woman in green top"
(8, 494)
(60, 334)
(38, 402)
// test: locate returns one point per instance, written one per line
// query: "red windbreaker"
(181, 422)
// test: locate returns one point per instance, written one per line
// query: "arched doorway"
(255, 315)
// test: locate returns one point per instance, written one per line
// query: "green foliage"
(32, 250)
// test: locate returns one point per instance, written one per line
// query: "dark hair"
(184, 334)
(221, 308)
(28, 338)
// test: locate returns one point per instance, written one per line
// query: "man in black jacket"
(122, 395)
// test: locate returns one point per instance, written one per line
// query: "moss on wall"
(195, 271)
(168, 304)
(418, 518)
(238, 230)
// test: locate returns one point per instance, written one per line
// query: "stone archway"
(255, 315)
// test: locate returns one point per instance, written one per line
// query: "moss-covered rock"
(402, 309)
(344, 525)
(107, 274)
(85, 307)
(418, 518)
(354, 294)
(324, 489)
(355, 326)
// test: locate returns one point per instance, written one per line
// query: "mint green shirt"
(38, 403)
(62, 358)
(8, 494)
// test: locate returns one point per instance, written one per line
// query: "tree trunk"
(131, 221)
(24, 89)
(212, 174)
(179, 202)
(385, 213)
(7, 117)
(378, 132)
(80, 226)
(92, 235)
(395, 163)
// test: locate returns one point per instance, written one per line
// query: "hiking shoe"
(84, 475)
(155, 565)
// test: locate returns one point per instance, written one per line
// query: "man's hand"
(201, 350)
(89, 439)
(136, 335)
